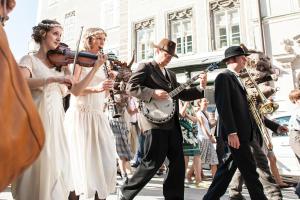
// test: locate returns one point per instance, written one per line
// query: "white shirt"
(201, 135)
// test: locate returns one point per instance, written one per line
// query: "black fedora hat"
(166, 45)
(234, 51)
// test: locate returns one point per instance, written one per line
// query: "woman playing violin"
(94, 162)
(49, 177)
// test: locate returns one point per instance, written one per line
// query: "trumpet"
(265, 107)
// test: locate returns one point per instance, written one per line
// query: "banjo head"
(159, 111)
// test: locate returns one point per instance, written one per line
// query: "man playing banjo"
(152, 82)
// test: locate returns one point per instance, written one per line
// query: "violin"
(63, 55)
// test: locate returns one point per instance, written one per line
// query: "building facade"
(201, 29)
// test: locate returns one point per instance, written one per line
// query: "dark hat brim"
(158, 47)
(235, 55)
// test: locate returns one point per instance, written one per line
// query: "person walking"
(152, 80)
(237, 128)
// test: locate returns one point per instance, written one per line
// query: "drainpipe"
(262, 37)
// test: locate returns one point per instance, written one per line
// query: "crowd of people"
(95, 137)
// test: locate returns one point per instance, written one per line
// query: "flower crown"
(45, 25)
(94, 33)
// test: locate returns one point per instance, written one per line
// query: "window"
(144, 39)
(226, 24)
(69, 29)
(181, 30)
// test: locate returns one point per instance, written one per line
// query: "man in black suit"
(237, 128)
(153, 81)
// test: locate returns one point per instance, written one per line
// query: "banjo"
(161, 111)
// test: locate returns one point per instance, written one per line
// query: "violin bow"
(77, 50)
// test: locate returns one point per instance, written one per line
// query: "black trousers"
(271, 189)
(242, 159)
(159, 144)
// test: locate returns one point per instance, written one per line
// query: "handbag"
(22, 134)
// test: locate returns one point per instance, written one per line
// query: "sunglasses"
(3, 20)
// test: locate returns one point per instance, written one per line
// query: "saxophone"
(265, 107)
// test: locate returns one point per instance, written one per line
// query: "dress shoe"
(135, 165)
(239, 197)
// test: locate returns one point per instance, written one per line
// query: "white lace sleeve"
(26, 62)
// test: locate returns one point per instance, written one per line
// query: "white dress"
(49, 177)
(94, 166)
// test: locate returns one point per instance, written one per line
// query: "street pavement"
(153, 191)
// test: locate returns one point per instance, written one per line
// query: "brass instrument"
(265, 107)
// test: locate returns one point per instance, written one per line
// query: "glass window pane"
(234, 17)
(178, 46)
(220, 19)
(187, 25)
(181, 32)
(189, 44)
(227, 28)
(144, 39)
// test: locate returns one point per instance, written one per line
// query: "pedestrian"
(294, 126)
(188, 123)
(152, 80)
(206, 137)
(237, 127)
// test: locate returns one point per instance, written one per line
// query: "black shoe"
(238, 197)
(119, 173)
(135, 165)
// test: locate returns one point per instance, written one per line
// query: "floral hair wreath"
(44, 25)
(95, 33)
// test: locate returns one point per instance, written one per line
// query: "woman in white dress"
(49, 177)
(94, 162)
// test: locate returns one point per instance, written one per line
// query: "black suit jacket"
(233, 108)
(149, 77)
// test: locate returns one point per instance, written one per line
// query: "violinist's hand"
(100, 61)
(66, 80)
(160, 94)
(105, 85)
(112, 74)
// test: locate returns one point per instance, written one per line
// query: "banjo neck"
(177, 90)
(183, 86)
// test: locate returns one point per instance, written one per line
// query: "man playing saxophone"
(259, 105)
(237, 128)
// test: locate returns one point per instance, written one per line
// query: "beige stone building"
(202, 30)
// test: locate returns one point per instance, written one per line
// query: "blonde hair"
(294, 95)
(89, 34)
